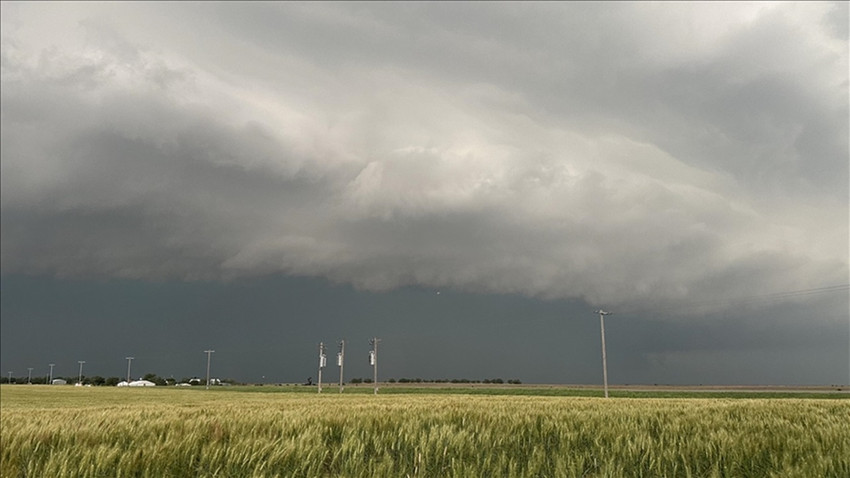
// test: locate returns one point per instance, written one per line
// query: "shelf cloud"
(630, 154)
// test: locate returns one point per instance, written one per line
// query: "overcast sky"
(467, 181)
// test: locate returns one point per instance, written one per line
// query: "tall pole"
(374, 360)
(50, 380)
(129, 361)
(602, 315)
(29, 376)
(322, 363)
(10, 377)
(81, 362)
(209, 354)
(340, 358)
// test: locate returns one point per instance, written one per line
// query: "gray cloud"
(627, 154)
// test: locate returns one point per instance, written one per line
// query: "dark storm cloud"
(628, 154)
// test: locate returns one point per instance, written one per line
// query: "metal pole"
(341, 361)
(321, 356)
(129, 361)
(81, 362)
(602, 315)
(50, 380)
(375, 363)
(29, 376)
(209, 354)
(10, 377)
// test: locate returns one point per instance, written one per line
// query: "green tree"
(152, 377)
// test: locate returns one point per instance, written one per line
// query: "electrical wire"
(708, 305)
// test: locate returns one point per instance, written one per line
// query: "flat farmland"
(284, 432)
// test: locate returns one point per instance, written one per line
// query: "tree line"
(98, 381)
(513, 381)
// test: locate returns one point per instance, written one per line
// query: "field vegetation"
(189, 432)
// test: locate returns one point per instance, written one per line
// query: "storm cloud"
(612, 152)
(639, 156)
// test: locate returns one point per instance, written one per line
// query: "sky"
(468, 182)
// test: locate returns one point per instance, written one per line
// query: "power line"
(209, 354)
(817, 290)
(340, 360)
(373, 361)
(742, 300)
(322, 363)
(602, 315)
(129, 361)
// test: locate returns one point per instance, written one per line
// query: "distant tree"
(97, 380)
(112, 381)
(355, 381)
(392, 380)
(152, 377)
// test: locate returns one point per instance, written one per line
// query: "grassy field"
(172, 432)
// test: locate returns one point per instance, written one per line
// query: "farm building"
(136, 383)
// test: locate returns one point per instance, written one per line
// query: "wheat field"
(170, 432)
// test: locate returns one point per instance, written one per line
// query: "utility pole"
(81, 362)
(602, 315)
(209, 354)
(50, 380)
(29, 376)
(340, 360)
(373, 361)
(323, 361)
(129, 361)
(10, 377)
